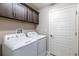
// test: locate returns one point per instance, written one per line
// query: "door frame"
(76, 30)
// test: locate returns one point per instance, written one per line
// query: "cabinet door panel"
(6, 9)
(35, 17)
(19, 11)
(26, 13)
(30, 15)
(1, 9)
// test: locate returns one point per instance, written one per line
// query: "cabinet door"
(6, 9)
(1, 9)
(35, 17)
(26, 14)
(30, 15)
(19, 11)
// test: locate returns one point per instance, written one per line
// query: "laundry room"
(39, 29)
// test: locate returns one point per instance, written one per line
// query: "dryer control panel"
(31, 34)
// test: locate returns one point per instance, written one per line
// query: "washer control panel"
(15, 36)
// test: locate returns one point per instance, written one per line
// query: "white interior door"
(62, 30)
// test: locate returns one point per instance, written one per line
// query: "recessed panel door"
(63, 32)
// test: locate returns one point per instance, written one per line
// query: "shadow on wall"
(0, 50)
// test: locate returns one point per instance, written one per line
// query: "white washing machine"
(31, 44)
(41, 42)
(19, 45)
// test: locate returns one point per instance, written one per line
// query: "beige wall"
(43, 26)
(9, 26)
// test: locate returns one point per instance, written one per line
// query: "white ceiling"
(40, 5)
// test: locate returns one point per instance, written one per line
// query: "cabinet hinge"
(76, 12)
(75, 33)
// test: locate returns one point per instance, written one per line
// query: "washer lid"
(14, 41)
(39, 37)
(17, 43)
(35, 35)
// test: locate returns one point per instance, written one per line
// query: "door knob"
(51, 36)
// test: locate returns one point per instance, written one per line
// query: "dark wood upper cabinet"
(35, 17)
(19, 11)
